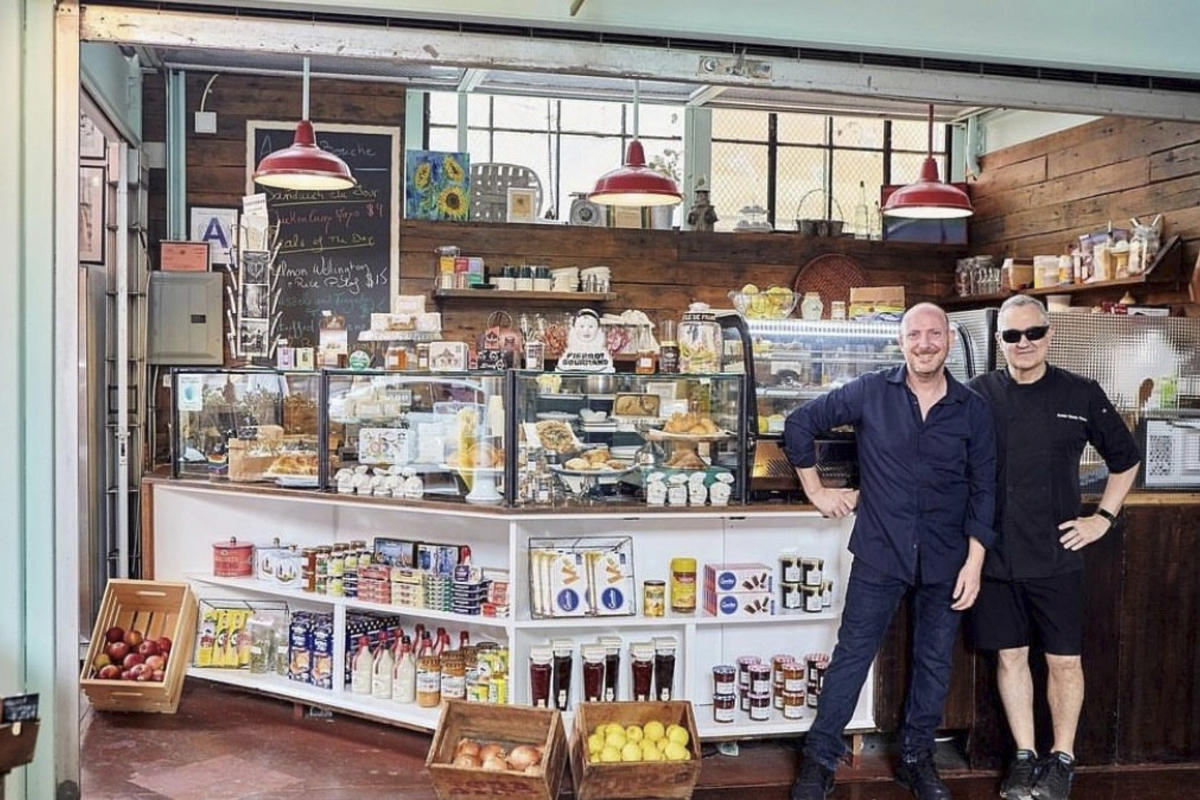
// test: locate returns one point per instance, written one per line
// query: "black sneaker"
(814, 782)
(1022, 773)
(1054, 778)
(921, 778)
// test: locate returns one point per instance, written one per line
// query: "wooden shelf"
(498, 296)
(1160, 273)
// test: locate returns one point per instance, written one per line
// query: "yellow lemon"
(613, 727)
(676, 752)
(634, 733)
(651, 754)
(662, 743)
(677, 734)
(615, 739)
(600, 730)
(631, 752)
(654, 730)
(593, 758)
(610, 754)
(595, 743)
(749, 288)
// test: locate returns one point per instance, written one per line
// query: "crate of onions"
(482, 750)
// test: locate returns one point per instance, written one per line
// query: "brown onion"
(523, 756)
(468, 746)
(465, 760)
(492, 751)
(495, 764)
(533, 769)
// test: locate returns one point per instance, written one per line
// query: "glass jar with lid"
(811, 307)
(699, 339)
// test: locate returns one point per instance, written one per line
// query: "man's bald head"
(921, 311)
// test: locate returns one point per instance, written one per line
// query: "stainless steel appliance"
(1171, 450)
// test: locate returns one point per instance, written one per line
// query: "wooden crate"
(508, 726)
(156, 608)
(655, 779)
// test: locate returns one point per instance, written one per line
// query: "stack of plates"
(565, 279)
(596, 279)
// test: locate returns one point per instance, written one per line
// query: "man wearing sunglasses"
(1032, 586)
(927, 461)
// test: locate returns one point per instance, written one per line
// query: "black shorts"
(1044, 611)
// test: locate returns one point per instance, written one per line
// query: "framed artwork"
(253, 337)
(626, 216)
(216, 226)
(91, 139)
(91, 215)
(437, 185)
(521, 204)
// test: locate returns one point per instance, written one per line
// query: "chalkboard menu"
(338, 250)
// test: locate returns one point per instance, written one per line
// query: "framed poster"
(215, 226)
(91, 215)
(437, 185)
(91, 139)
(520, 204)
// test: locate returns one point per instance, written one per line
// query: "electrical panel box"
(186, 325)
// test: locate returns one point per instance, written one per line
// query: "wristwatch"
(1108, 515)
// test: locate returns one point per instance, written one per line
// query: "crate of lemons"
(611, 743)
(777, 302)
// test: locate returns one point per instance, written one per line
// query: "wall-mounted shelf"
(498, 296)
(1162, 272)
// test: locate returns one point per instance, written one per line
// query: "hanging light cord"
(304, 114)
(636, 101)
(929, 149)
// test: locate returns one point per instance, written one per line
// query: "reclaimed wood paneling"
(1037, 197)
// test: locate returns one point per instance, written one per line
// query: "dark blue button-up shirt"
(926, 486)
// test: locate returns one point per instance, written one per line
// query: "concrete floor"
(224, 744)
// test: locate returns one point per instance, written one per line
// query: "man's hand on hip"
(835, 503)
(1082, 531)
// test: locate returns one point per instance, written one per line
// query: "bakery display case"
(661, 439)
(793, 361)
(415, 435)
(246, 426)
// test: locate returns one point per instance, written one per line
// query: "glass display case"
(661, 439)
(792, 361)
(415, 435)
(245, 426)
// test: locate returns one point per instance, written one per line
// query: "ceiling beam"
(471, 79)
(705, 94)
(157, 28)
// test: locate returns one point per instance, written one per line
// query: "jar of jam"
(664, 666)
(308, 572)
(683, 585)
(654, 598)
(564, 650)
(336, 566)
(812, 598)
(724, 680)
(593, 672)
(792, 596)
(789, 569)
(723, 706)
(813, 569)
(744, 663)
(793, 677)
(760, 679)
(539, 676)
(612, 665)
(760, 706)
(642, 667)
(793, 704)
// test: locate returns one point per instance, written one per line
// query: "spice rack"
(186, 513)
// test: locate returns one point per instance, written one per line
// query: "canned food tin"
(654, 598)
(233, 559)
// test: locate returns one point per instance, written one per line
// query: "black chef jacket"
(1041, 430)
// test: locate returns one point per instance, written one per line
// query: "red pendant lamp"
(928, 198)
(303, 165)
(633, 183)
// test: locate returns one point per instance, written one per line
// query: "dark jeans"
(871, 600)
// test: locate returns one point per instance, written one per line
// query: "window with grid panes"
(567, 143)
(812, 166)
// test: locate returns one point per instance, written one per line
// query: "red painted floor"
(226, 744)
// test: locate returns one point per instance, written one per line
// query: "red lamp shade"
(635, 184)
(303, 165)
(928, 198)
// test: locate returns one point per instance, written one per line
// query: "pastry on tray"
(293, 465)
(556, 435)
(691, 423)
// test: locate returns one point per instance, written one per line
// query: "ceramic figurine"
(701, 216)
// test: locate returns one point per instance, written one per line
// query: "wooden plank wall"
(1036, 197)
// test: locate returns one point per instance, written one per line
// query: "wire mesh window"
(568, 143)
(812, 166)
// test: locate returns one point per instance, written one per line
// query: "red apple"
(133, 637)
(109, 672)
(117, 651)
(114, 634)
(137, 670)
(147, 648)
(164, 644)
(158, 675)
(126, 675)
(155, 662)
(144, 675)
(101, 661)
(132, 660)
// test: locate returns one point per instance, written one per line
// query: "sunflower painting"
(438, 186)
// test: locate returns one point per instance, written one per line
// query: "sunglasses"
(1034, 334)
